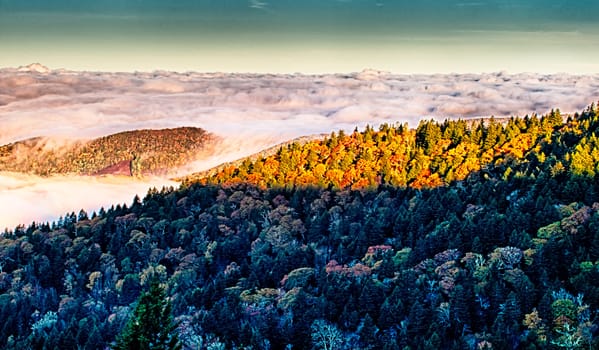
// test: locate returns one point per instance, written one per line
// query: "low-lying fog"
(249, 112)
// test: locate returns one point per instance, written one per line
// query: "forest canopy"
(456, 235)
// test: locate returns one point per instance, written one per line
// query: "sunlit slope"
(433, 154)
(131, 153)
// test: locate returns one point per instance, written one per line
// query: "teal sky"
(309, 36)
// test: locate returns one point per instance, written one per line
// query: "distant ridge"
(34, 68)
(131, 153)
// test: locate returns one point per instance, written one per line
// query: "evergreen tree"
(152, 326)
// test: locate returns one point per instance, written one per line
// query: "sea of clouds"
(248, 111)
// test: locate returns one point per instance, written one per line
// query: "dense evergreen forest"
(455, 235)
(132, 153)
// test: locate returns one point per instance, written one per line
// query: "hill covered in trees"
(131, 153)
(449, 236)
(432, 155)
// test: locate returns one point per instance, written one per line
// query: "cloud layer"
(94, 104)
(25, 199)
(249, 111)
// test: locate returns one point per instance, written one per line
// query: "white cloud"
(249, 111)
(256, 4)
(26, 198)
(94, 104)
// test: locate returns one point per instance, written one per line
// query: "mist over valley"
(244, 113)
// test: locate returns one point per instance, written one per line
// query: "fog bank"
(80, 104)
(249, 111)
(28, 198)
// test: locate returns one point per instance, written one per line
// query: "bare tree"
(326, 336)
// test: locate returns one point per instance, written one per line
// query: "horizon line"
(382, 72)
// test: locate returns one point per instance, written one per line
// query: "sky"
(308, 36)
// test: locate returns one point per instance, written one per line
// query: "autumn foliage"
(432, 155)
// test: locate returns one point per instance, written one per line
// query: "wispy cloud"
(471, 4)
(257, 4)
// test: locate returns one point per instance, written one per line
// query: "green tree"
(428, 134)
(152, 326)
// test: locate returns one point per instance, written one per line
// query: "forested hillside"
(432, 155)
(131, 153)
(450, 236)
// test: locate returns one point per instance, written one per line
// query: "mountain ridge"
(148, 152)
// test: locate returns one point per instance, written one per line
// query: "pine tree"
(151, 326)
